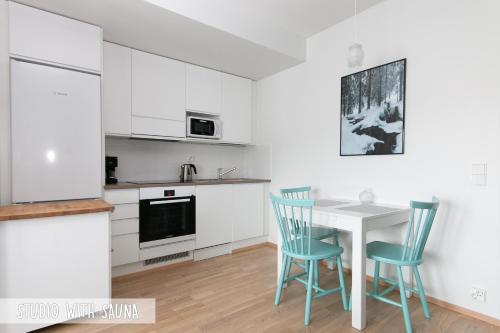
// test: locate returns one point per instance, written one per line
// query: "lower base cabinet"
(248, 211)
(213, 215)
(124, 249)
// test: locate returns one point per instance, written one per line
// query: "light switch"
(479, 169)
(478, 174)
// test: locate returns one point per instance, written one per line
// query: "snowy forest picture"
(373, 110)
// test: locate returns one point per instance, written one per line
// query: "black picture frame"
(379, 149)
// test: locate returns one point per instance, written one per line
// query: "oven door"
(163, 221)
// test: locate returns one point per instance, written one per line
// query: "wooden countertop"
(196, 182)
(55, 208)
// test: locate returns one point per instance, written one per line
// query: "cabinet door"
(53, 38)
(124, 249)
(236, 109)
(203, 90)
(158, 87)
(213, 215)
(117, 89)
(248, 211)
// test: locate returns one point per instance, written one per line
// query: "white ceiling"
(250, 38)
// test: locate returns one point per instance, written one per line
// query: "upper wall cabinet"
(117, 89)
(236, 112)
(158, 95)
(203, 90)
(43, 36)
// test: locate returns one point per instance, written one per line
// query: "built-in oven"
(166, 215)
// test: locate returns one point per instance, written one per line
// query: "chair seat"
(319, 250)
(387, 252)
(320, 233)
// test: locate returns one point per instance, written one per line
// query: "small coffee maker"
(111, 164)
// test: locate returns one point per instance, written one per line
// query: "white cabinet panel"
(125, 226)
(248, 211)
(124, 249)
(213, 215)
(158, 127)
(158, 87)
(126, 211)
(203, 90)
(236, 109)
(117, 89)
(56, 133)
(48, 37)
(116, 197)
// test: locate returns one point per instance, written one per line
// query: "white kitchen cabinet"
(124, 249)
(203, 90)
(125, 211)
(158, 93)
(117, 89)
(248, 211)
(236, 112)
(213, 215)
(40, 35)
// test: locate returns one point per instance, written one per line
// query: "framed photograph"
(372, 111)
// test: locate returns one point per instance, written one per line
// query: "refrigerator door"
(56, 133)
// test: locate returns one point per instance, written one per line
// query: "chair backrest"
(294, 218)
(296, 192)
(419, 226)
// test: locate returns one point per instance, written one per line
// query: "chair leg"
(279, 287)
(316, 273)
(307, 317)
(421, 293)
(404, 301)
(376, 278)
(287, 271)
(342, 284)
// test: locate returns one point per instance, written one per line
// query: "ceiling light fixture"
(355, 53)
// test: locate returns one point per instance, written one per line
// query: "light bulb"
(355, 55)
(51, 156)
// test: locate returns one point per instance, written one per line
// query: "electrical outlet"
(479, 294)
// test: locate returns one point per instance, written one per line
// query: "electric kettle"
(187, 172)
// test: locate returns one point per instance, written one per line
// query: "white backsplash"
(160, 160)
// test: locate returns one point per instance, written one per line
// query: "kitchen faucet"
(221, 173)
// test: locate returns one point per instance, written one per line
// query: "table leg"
(359, 279)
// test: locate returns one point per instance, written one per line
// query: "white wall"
(5, 193)
(452, 121)
(158, 160)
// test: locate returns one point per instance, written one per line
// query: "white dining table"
(358, 219)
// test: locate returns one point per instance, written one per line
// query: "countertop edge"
(124, 186)
(51, 209)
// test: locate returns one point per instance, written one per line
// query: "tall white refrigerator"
(56, 133)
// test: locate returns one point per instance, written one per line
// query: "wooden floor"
(235, 293)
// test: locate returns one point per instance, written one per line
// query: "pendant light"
(355, 53)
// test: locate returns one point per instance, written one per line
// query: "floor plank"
(235, 293)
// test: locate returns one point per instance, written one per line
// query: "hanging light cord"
(355, 21)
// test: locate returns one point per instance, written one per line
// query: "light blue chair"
(294, 219)
(318, 233)
(410, 254)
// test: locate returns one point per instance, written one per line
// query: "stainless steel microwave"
(208, 128)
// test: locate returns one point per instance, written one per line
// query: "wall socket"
(479, 294)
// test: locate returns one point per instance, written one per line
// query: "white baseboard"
(139, 266)
(213, 251)
(249, 242)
